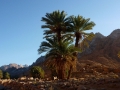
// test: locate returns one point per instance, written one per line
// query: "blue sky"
(20, 24)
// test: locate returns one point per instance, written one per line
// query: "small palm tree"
(59, 56)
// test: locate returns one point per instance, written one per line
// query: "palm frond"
(86, 41)
(45, 46)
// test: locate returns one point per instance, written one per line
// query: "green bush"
(37, 72)
(1, 74)
(6, 75)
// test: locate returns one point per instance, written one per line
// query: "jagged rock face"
(15, 70)
(16, 73)
(92, 44)
(39, 61)
(99, 35)
(115, 33)
(11, 65)
(105, 50)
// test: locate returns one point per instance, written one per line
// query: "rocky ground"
(109, 81)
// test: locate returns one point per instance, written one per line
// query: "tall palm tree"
(80, 25)
(58, 56)
(57, 23)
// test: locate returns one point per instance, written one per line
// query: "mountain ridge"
(102, 51)
(105, 50)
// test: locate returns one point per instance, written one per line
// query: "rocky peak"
(39, 61)
(13, 65)
(99, 35)
(104, 50)
(92, 45)
(115, 33)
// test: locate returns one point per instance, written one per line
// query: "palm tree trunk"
(78, 36)
(76, 41)
(61, 73)
(59, 36)
(76, 45)
(60, 69)
(69, 72)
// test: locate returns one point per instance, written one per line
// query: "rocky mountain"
(39, 61)
(115, 34)
(92, 44)
(103, 50)
(15, 70)
(12, 65)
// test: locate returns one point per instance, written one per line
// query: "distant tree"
(119, 54)
(37, 72)
(1, 74)
(6, 75)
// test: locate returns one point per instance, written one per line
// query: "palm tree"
(57, 23)
(58, 56)
(80, 25)
(59, 26)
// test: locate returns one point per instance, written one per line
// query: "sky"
(20, 24)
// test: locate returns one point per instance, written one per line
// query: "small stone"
(2, 87)
(82, 88)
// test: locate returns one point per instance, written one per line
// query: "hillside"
(103, 50)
